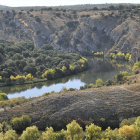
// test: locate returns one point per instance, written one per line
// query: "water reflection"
(104, 69)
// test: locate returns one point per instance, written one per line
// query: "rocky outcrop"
(83, 35)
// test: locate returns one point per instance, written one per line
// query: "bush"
(124, 73)
(92, 132)
(128, 121)
(20, 124)
(58, 14)
(3, 96)
(136, 72)
(95, 8)
(9, 135)
(121, 56)
(72, 24)
(5, 127)
(119, 77)
(82, 88)
(99, 82)
(31, 133)
(51, 135)
(37, 19)
(71, 89)
(109, 82)
(136, 66)
(20, 13)
(74, 131)
(127, 131)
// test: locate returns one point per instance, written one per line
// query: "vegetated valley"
(50, 43)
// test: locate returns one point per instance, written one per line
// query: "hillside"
(91, 103)
(76, 31)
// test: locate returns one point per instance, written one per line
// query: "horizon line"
(66, 5)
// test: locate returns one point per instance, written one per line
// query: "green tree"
(51, 135)
(92, 132)
(74, 131)
(113, 134)
(48, 134)
(10, 135)
(127, 131)
(20, 124)
(31, 133)
(4, 127)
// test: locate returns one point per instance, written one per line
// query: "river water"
(102, 68)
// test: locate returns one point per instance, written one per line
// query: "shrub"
(124, 73)
(99, 82)
(128, 121)
(5, 127)
(31, 133)
(121, 56)
(51, 135)
(119, 77)
(20, 13)
(58, 14)
(127, 131)
(72, 24)
(136, 66)
(82, 88)
(3, 96)
(136, 72)
(71, 89)
(95, 8)
(37, 19)
(113, 134)
(112, 55)
(20, 124)
(92, 132)
(128, 57)
(109, 82)
(9, 135)
(74, 131)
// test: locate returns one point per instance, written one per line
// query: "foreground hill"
(111, 103)
(76, 31)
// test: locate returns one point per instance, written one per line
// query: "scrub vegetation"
(24, 62)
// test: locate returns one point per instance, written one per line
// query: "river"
(101, 68)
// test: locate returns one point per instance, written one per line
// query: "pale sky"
(15, 3)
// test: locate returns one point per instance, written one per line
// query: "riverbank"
(37, 80)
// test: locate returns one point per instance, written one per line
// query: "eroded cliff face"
(74, 32)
